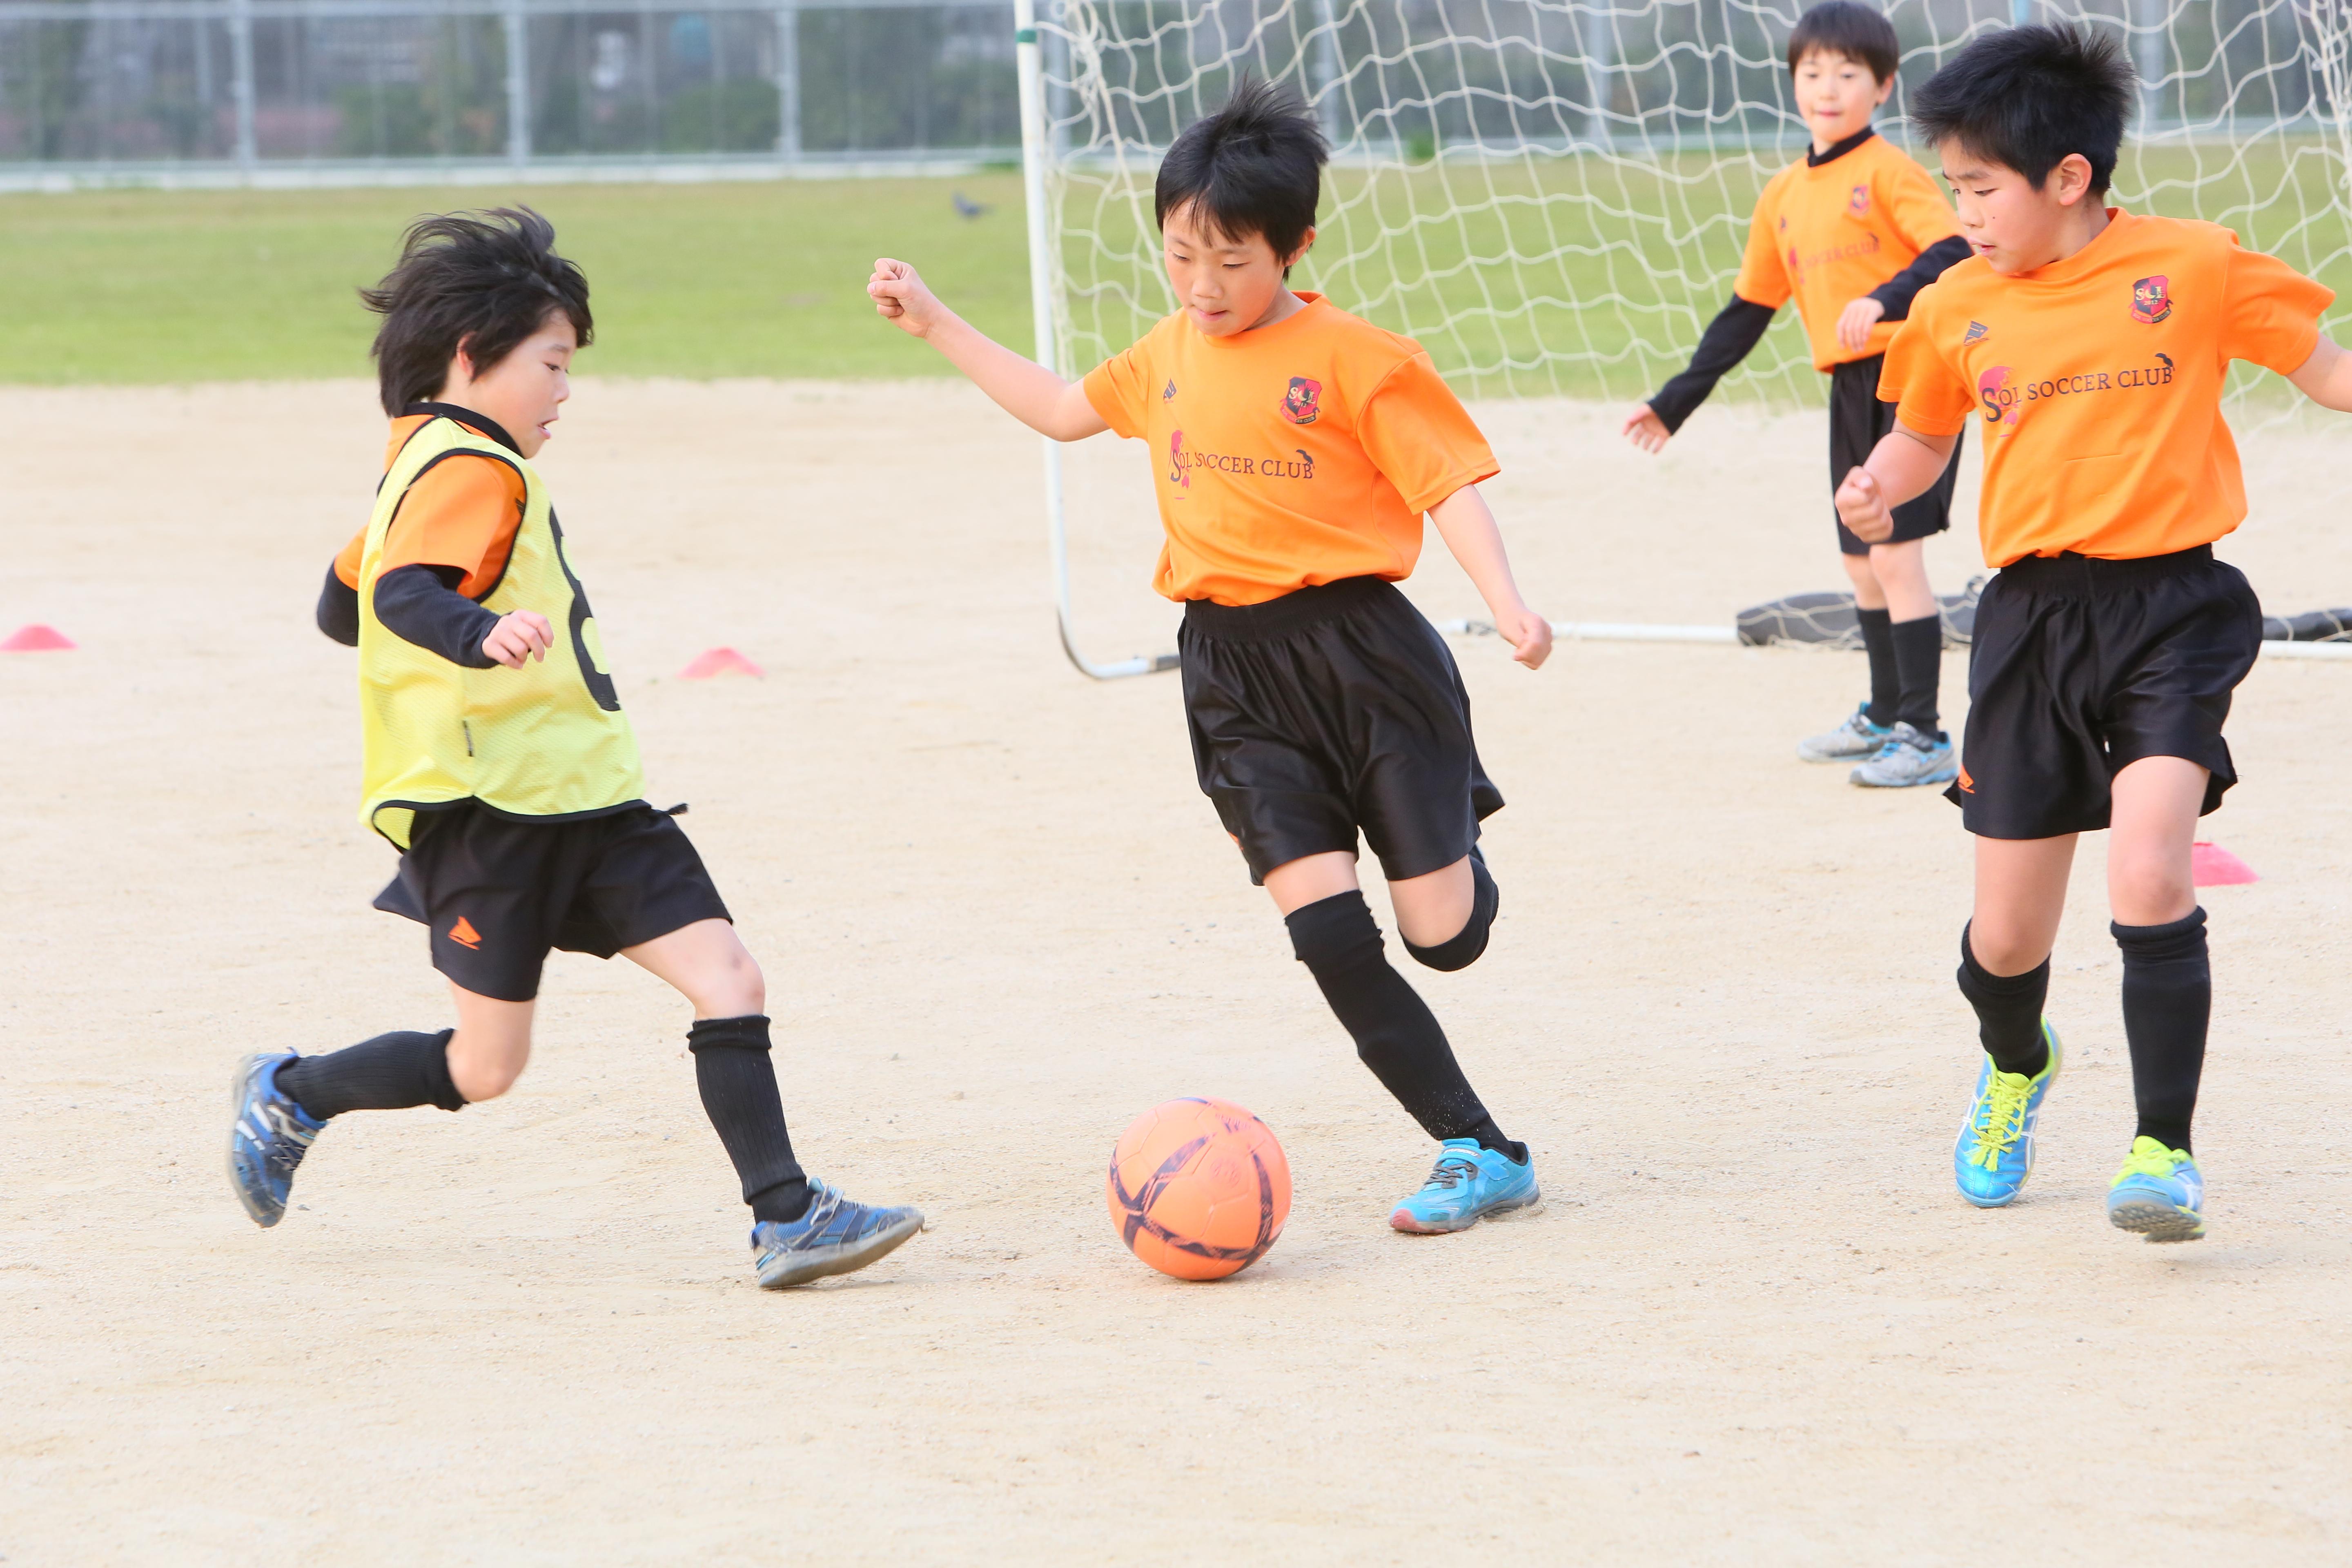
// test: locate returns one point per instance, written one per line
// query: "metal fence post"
(518, 33)
(240, 46)
(788, 83)
(1598, 32)
(2147, 58)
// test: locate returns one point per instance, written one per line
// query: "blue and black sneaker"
(268, 1138)
(1994, 1152)
(1468, 1183)
(836, 1235)
(2159, 1193)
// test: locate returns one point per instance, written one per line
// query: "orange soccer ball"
(1198, 1188)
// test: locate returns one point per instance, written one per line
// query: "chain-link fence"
(126, 87)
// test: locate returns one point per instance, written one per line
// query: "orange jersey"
(1290, 455)
(2099, 380)
(462, 512)
(1827, 234)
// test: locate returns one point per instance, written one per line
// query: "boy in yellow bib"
(500, 762)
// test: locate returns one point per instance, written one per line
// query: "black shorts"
(2079, 668)
(1330, 710)
(497, 892)
(1858, 422)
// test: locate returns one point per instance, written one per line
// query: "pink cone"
(719, 661)
(35, 638)
(2210, 865)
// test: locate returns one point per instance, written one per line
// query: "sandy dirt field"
(1753, 1324)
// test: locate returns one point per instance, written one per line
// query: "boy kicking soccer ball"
(2093, 342)
(499, 761)
(1852, 233)
(1295, 449)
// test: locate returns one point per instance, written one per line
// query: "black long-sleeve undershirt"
(419, 605)
(1733, 333)
(1897, 292)
(1740, 326)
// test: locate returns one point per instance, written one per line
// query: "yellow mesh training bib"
(545, 741)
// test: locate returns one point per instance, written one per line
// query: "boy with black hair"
(1852, 233)
(1297, 450)
(498, 760)
(2094, 344)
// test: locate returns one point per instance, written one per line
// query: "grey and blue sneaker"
(1910, 758)
(1994, 1153)
(835, 1236)
(2159, 1193)
(1856, 740)
(268, 1140)
(1468, 1183)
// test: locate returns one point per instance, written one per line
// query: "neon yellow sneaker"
(1994, 1152)
(2159, 1193)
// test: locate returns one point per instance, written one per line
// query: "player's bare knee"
(483, 1077)
(2003, 951)
(1464, 947)
(2149, 891)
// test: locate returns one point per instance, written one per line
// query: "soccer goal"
(1552, 195)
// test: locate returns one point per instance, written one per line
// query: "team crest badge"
(1299, 405)
(2152, 301)
(1978, 331)
(1859, 202)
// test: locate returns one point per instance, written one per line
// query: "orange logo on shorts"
(464, 934)
(1968, 785)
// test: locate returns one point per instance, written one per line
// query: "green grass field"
(1584, 276)
(691, 281)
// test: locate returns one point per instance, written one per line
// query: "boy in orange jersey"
(497, 757)
(1295, 449)
(1852, 233)
(2094, 344)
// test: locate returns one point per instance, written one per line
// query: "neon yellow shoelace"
(2002, 1120)
(2148, 1158)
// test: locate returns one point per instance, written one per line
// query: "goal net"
(1552, 195)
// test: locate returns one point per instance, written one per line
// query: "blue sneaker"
(1855, 740)
(2159, 1193)
(268, 1138)
(835, 1236)
(1995, 1151)
(1467, 1183)
(1909, 759)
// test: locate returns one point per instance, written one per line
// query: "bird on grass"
(966, 207)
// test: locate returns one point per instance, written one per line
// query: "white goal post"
(1552, 195)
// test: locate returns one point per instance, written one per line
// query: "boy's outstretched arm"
(1901, 466)
(1468, 529)
(1022, 387)
(2327, 377)
(1733, 333)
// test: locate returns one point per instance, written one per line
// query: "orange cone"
(719, 661)
(2210, 865)
(35, 638)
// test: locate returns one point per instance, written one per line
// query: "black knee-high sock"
(2009, 1012)
(738, 1081)
(1395, 1032)
(1885, 686)
(391, 1072)
(2167, 1003)
(1919, 669)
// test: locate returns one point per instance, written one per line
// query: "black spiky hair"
(2027, 96)
(1256, 166)
(480, 281)
(1847, 27)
